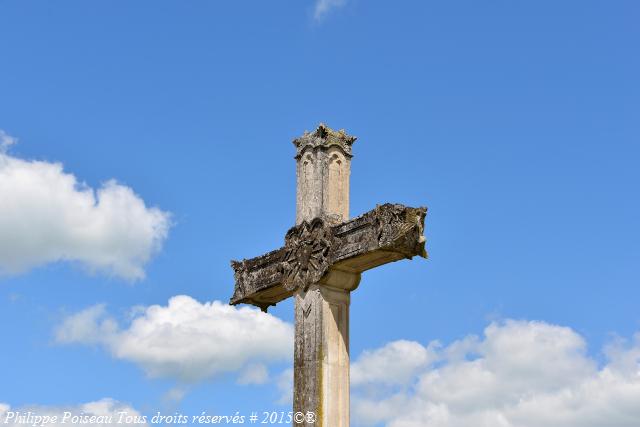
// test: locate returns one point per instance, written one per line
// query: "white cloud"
(381, 366)
(255, 373)
(6, 141)
(519, 374)
(186, 340)
(323, 7)
(175, 394)
(393, 364)
(48, 216)
(108, 412)
(284, 383)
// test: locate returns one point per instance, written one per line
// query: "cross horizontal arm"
(388, 233)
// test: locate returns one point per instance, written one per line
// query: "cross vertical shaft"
(321, 355)
(320, 264)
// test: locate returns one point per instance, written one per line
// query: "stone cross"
(320, 264)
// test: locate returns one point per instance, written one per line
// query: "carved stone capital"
(324, 137)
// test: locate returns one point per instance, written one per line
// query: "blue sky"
(516, 123)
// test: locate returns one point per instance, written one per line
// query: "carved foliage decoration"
(324, 137)
(396, 223)
(307, 254)
(387, 218)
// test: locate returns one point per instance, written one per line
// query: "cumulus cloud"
(380, 366)
(185, 339)
(323, 7)
(519, 374)
(48, 216)
(109, 412)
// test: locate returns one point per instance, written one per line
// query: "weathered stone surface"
(320, 264)
(388, 233)
(323, 167)
(321, 355)
(306, 257)
(324, 137)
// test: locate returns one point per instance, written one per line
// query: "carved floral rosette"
(307, 254)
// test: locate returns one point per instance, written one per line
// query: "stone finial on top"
(325, 137)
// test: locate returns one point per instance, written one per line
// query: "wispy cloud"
(6, 141)
(323, 7)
